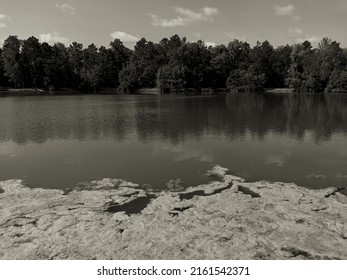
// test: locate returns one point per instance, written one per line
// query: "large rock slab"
(225, 219)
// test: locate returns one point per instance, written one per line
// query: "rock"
(226, 219)
(104, 184)
(175, 185)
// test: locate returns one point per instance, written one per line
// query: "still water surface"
(58, 141)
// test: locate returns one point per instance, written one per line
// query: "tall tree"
(12, 60)
(75, 52)
(3, 79)
(91, 67)
(261, 61)
(32, 63)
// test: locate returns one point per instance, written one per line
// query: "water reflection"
(283, 137)
(39, 119)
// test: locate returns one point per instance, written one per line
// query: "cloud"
(3, 17)
(341, 176)
(158, 21)
(284, 10)
(295, 32)
(53, 37)
(295, 18)
(124, 37)
(210, 44)
(210, 11)
(235, 37)
(299, 36)
(66, 8)
(312, 39)
(185, 17)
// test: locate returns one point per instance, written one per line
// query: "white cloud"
(235, 37)
(66, 8)
(295, 32)
(197, 34)
(210, 11)
(284, 10)
(295, 18)
(158, 21)
(210, 44)
(3, 17)
(53, 37)
(185, 17)
(124, 37)
(312, 39)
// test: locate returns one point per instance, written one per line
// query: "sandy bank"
(225, 219)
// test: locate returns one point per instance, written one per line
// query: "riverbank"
(140, 91)
(225, 219)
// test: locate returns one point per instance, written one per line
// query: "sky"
(212, 21)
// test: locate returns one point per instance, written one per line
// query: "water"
(58, 141)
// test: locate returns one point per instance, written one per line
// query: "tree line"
(174, 64)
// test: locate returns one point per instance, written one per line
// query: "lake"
(58, 141)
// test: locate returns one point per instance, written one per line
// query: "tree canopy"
(173, 64)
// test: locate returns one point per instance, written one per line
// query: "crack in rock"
(248, 191)
(297, 252)
(132, 207)
(177, 210)
(190, 195)
(334, 192)
(319, 209)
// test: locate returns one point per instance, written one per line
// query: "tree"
(174, 64)
(32, 63)
(337, 81)
(3, 79)
(246, 80)
(197, 60)
(91, 67)
(171, 77)
(280, 64)
(11, 59)
(59, 70)
(128, 78)
(261, 60)
(301, 54)
(112, 62)
(75, 53)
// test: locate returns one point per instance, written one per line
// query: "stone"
(225, 219)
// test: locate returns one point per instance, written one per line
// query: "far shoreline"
(143, 91)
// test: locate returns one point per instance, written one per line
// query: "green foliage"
(3, 78)
(174, 65)
(11, 60)
(128, 78)
(311, 70)
(337, 81)
(246, 80)
(171, 77)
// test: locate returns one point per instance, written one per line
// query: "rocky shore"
(225, 219)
